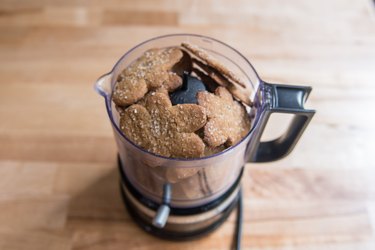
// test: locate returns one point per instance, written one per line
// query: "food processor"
(182, 199)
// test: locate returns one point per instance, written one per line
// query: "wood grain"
(58, 177)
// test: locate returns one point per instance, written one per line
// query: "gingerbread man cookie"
(228, 121)
(164, 129)
(150, 71)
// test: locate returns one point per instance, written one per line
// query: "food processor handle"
(280, 99)
(162, 214)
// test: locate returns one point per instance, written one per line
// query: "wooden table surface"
(58, 178)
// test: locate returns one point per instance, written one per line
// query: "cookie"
(174, 175)
(152, 92)
(214, 150)
(219, 73)
(210, 84)
(184, 65)
(150, 71)
(212, 73)
(228, 121)
(241, 94)
(164, 129)
(213, 62)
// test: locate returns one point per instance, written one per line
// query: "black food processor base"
(146, 224)
(177, 228)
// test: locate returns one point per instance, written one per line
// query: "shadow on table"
(98, 218)
(101, 200)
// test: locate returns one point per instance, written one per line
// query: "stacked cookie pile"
(142, 96)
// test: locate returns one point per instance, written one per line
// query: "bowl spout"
(103, 85)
